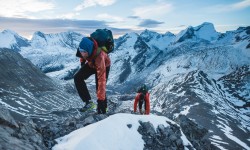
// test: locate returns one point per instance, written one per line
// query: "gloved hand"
(101, 109)
(82, 61)
(82, 64)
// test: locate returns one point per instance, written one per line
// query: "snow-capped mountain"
(205, 31)
(11, 40)
(192, 75)
(54, 54)
(65, 39)
(199, 73)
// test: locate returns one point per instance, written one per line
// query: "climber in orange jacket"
(94, 61)
(143, 98)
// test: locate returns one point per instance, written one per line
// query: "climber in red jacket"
(143, 98)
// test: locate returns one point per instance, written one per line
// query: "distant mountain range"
(54, 54)
(199, 72)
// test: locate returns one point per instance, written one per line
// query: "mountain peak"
(206, 25)
(169, 34)
(11, 40)
(39, 33)
(205, 31)
(9, 31)
(147, 35)
(148, 32)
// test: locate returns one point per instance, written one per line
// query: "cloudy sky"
(121, 16)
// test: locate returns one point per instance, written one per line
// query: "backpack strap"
(98, 51)
(95, 49)
(104, 49)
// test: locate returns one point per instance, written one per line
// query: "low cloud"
(149, 23)
(134, 17)
(26, 27)
(181, 26)
(91, 3)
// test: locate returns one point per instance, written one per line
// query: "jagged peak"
(9, 31)
(39, 33)
(148, 32)
(206, 25)
(204, 31)
(168, 33)
(131, 34)
(13, 34)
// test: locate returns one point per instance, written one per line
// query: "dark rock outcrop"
(18, 136)
(195, 133)
(54, 129)
(162, 138)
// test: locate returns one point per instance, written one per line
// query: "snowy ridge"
(11, 40)
(160, 41)
(54, 54)
(103, 132)
(205, 31)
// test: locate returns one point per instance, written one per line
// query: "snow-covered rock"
(205, 31)
(131, 132)
(54, 54)
(10, 39)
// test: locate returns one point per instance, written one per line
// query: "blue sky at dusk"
(121, 16)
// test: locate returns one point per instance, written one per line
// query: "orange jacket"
(147, 103)
(100, 63)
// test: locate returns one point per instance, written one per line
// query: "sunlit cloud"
(231, 7)
(23, 8)
(91, 3)
(153, 10)
(69, 15)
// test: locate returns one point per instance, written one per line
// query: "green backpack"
(104, 37)
(143, 89)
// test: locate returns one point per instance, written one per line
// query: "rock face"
(170, 137)
(26, 91)
(195, 133)
(54, 129)
(161, 138)
(19, 136)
